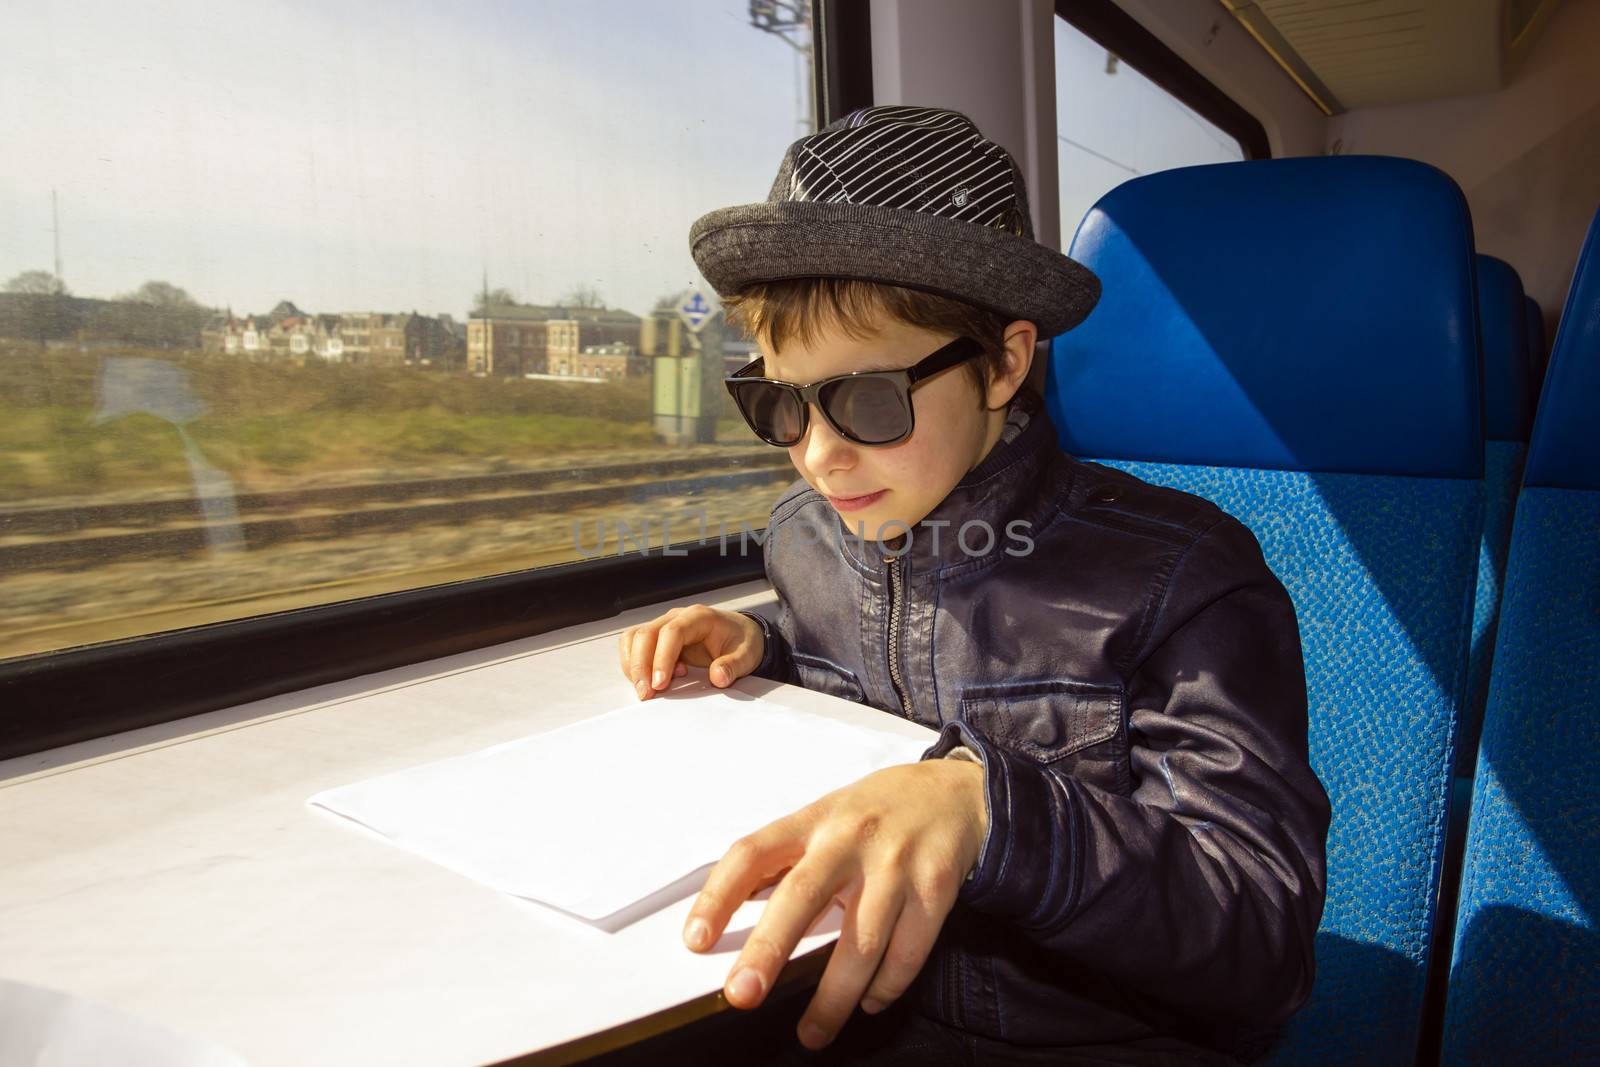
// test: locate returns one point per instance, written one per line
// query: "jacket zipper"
(895, 599)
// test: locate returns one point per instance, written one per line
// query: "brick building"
(612, 361)
(511, 340)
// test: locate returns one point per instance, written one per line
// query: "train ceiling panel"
(1350, 54)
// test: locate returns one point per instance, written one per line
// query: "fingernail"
(720, 675)
(812, 1036)
(639, 687)
(659, 679)
(871, 1007)
(698, 934)
(746, 987)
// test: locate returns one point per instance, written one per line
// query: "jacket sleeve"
(1201, 891)
(775, 662)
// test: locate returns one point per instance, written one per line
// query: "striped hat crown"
(909, 196)
(927, 160)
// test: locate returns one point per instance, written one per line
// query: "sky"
(1115, 126)
(355, 155)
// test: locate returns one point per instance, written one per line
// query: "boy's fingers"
(653, 653)
(698, 628)
(915, 931)
(624, 645)
(680, 631)
(726, 669)
(750, 863)
(805, 894)
(640, 653)
(740, 661)
(862, 943)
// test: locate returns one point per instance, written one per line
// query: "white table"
(176, 873)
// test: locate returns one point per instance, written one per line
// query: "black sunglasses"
(867, 407)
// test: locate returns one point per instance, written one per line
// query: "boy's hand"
(893, 848)
(653, 653)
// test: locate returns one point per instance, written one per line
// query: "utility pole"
(55, 230)
(488, 331)
(790, 21)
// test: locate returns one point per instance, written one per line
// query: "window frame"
(841, 58)
(77, 694)
(1103, 22)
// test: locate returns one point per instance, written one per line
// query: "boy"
(1114, 851)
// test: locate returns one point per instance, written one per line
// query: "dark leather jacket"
(1133, 682)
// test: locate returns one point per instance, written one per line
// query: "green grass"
(265, 424)
(51, 451)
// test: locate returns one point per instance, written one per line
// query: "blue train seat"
(1508, 398)
(1526, 959)
(1508, 402)
(1296, 339)
(1536, 349)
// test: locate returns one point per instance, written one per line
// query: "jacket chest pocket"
(1073, 727)
(825, 676)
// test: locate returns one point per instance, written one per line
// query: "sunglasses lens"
(773, 413)
(871, 410)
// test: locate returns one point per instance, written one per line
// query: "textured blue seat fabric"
(1258, 329)
(1383, 680)
(1502, 473)
(1297, 341)
(1526, 959)
(1508, 401)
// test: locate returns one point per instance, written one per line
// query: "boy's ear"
(1019, 340)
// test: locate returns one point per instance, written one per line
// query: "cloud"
(379, 155)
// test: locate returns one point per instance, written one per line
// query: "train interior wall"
(1527, 157)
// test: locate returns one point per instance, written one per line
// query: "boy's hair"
(797, 308)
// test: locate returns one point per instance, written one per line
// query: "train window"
(336, 303)
(1113, 123)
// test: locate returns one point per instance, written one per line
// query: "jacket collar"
(1001, 488)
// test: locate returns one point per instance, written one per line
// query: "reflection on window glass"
(306, 302)
(1113, 123)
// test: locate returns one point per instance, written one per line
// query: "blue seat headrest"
(1311, 314)
(1565, 450)
(1507, 377)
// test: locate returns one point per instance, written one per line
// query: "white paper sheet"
(613, 817)
(42, 1027)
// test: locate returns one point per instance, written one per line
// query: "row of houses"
(500, 340)
(377, 338)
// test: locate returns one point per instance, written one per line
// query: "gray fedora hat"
(910, 196)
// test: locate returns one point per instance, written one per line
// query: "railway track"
(74, 536)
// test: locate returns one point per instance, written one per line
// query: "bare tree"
(493, 296)
(161, 294)
(583, 296)
(37, 283)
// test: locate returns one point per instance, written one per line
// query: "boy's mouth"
(856, 503)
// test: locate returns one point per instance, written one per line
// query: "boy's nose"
(822, 446)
